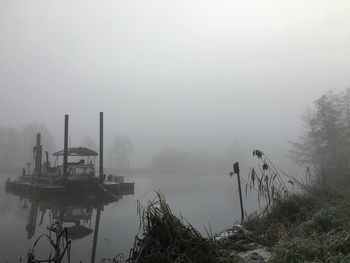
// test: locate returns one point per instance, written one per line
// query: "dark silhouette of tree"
(325, 142)
(16, 145)
(9, 147)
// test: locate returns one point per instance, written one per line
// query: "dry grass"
(167, 238)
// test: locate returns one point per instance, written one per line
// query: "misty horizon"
(235, 72)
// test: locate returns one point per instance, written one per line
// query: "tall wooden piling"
(65, 151)
(38, 155)
(101, 147)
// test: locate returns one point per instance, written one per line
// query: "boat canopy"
(77, 151)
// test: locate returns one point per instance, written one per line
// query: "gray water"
(206, 201)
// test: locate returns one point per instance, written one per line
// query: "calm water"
(202, 200)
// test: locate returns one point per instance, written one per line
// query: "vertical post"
(65, 151)
(47, 162)
(101, 148)
(38, 155)
(348, 107)
(236, 171)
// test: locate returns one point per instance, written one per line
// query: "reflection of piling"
(101, 147)
(97, 224)
(65, 151)
(31, 219)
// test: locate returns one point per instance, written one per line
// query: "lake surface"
(203, 200)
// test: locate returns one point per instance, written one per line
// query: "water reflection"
(74, 214)
(202, 200)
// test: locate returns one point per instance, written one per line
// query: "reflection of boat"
(74, 174)
(78, 231)
(76, 215)
(77, 220)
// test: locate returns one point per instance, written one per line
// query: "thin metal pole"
(101, 147)
(236, 171)
(65, 151)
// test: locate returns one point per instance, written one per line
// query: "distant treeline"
(16, 144)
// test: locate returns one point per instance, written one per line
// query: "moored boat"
(73, 173)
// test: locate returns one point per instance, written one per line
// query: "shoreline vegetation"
(311, 226)
(302, 220)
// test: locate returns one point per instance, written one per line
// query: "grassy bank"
(307, 224)
(313, 226)
(310, 227)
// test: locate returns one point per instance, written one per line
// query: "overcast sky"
(171, 74)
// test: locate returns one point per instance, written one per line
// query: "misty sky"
(171, 74)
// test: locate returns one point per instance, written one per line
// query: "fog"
(187, 76)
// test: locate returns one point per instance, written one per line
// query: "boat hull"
(88, 187)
